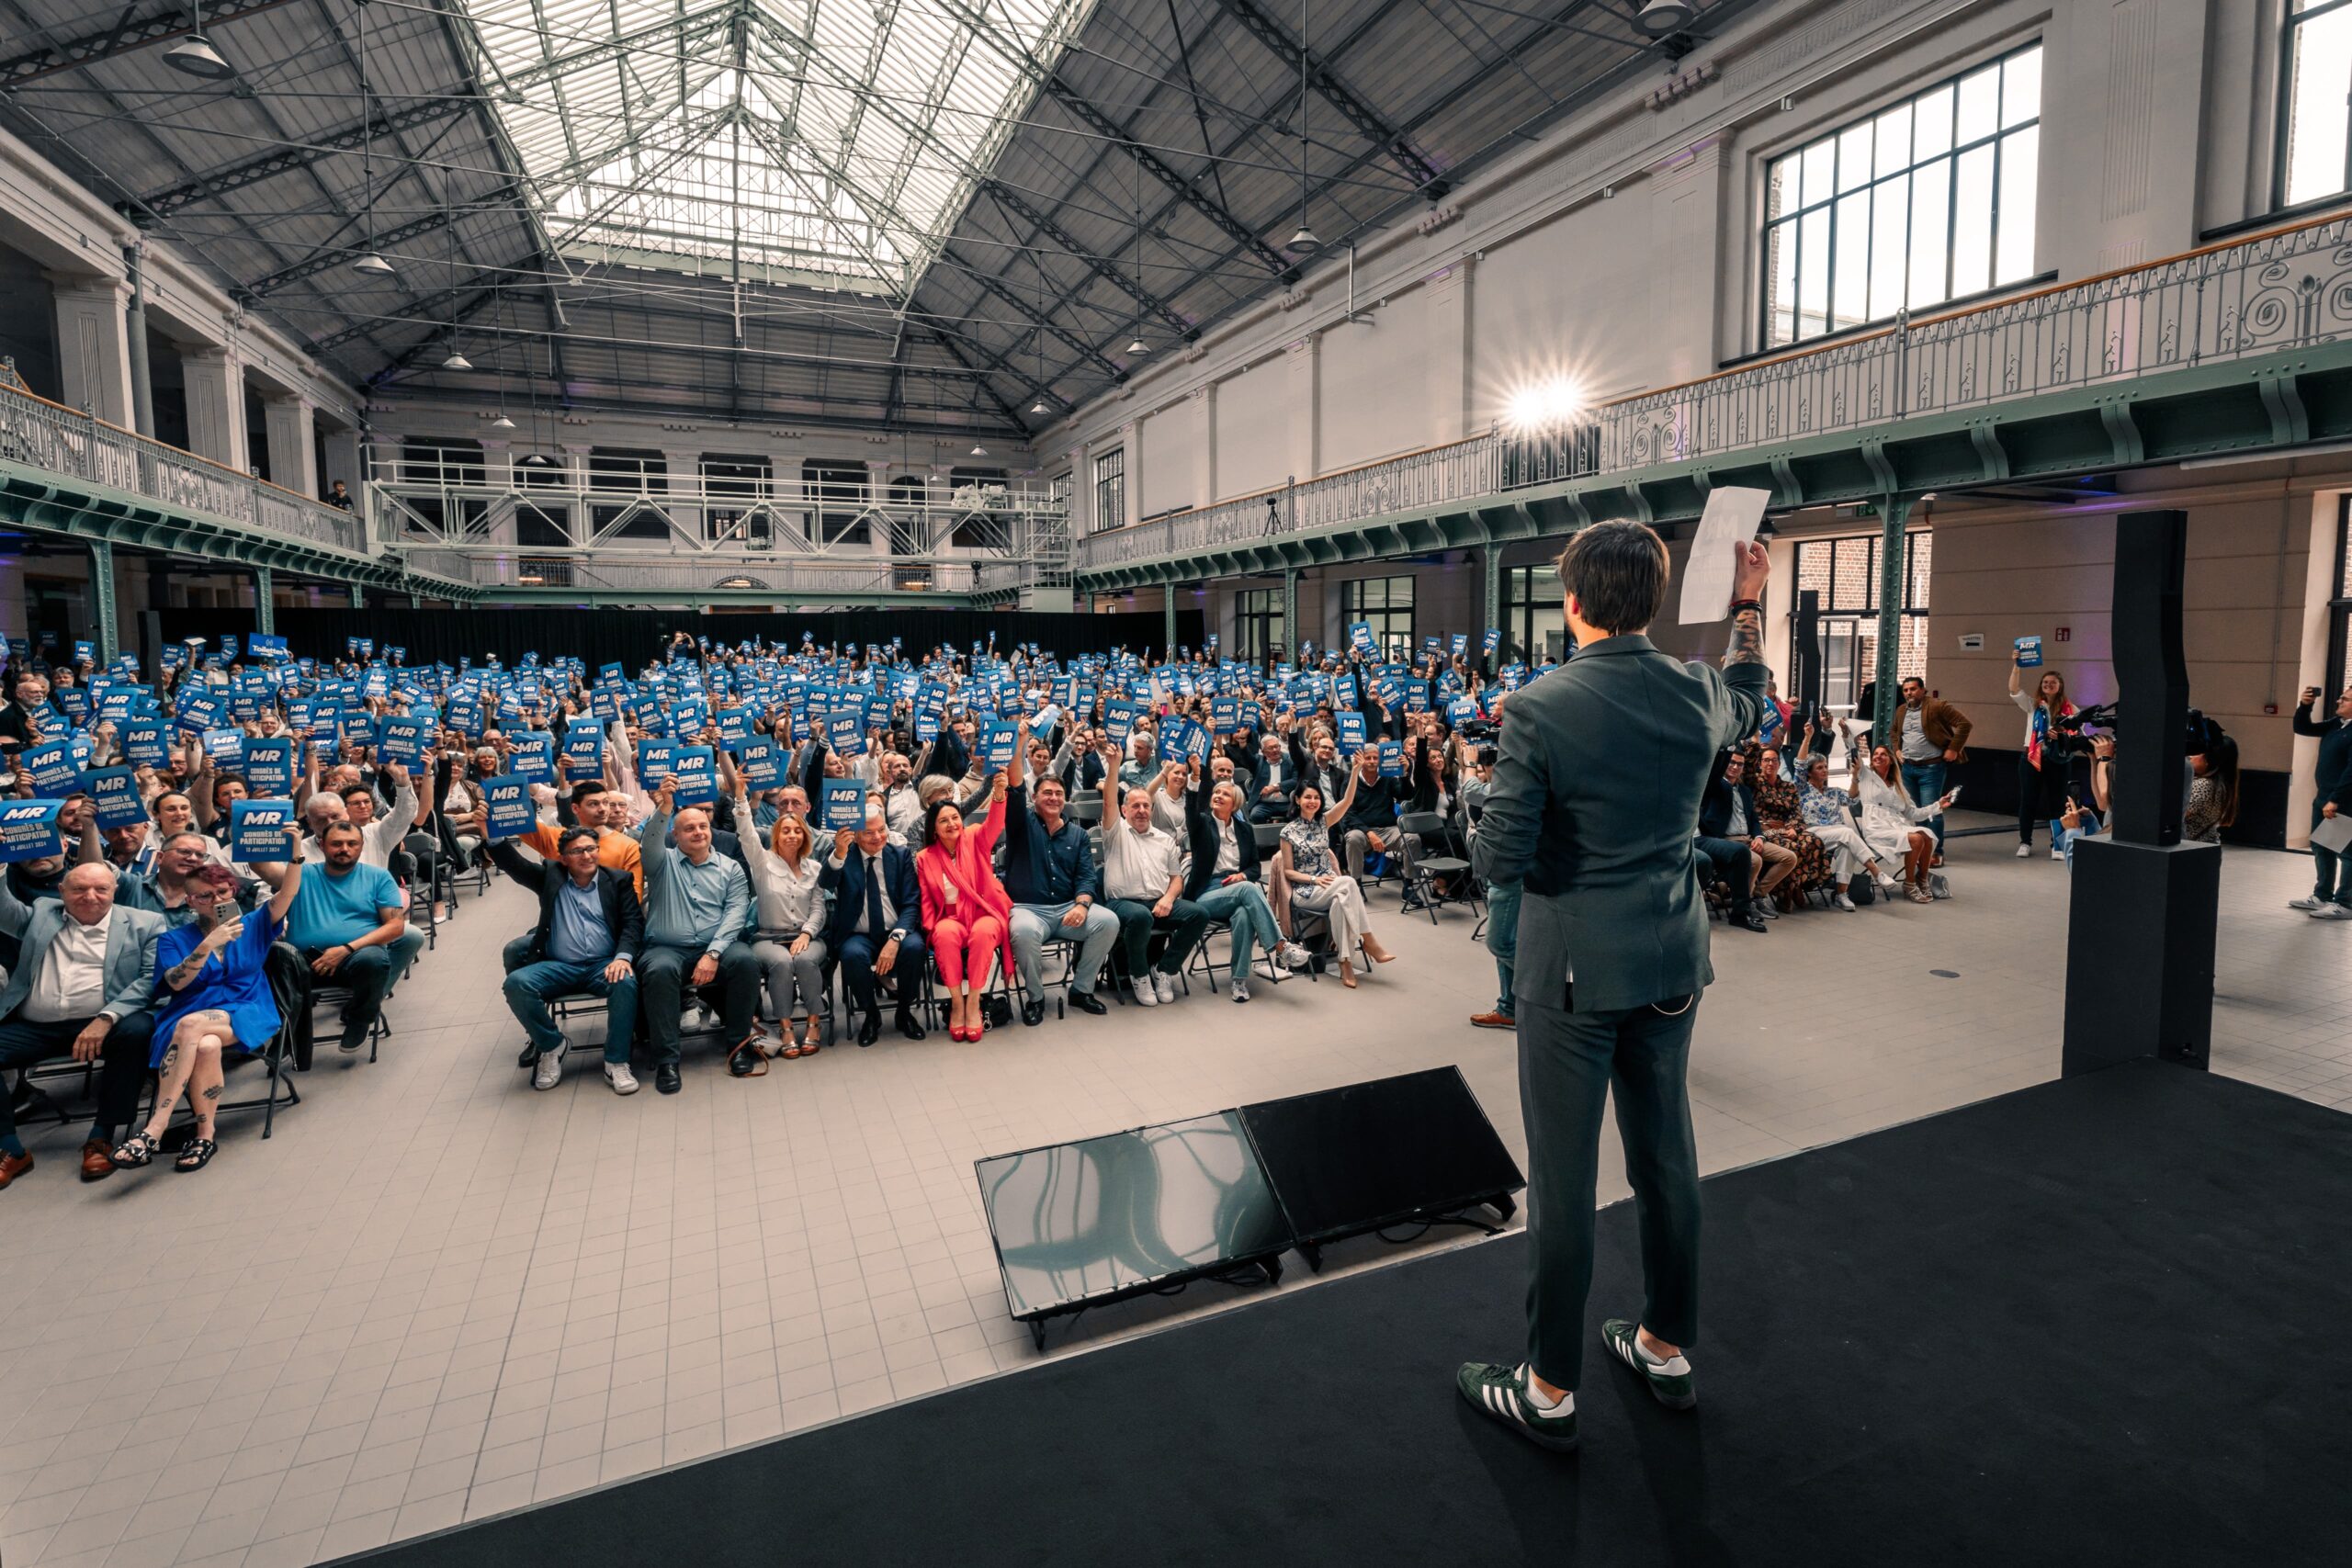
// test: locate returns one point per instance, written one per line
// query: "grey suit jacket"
(131, 935)
(1595, 803)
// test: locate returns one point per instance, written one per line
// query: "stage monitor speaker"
(1413, 1147)
(1087, 1223)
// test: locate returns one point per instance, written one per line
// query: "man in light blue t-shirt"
(348, 922)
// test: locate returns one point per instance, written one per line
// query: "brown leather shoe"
(13, 1167)
(1493, 1021)
(95, 1167)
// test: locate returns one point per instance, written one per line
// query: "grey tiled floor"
(435, 1295)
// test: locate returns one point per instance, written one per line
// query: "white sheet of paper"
(1732, 517)
(2334, 833)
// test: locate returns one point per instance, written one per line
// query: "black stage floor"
(2100, 1320)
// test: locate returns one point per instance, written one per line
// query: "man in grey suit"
(81, 985)
(1594, 805)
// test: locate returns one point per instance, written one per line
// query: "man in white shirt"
(1143, 885)
(80, 989)
(356, 804)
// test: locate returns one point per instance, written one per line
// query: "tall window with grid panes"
(1845, 573)
(1258, 628)
(1387, 604)
(1926, 201)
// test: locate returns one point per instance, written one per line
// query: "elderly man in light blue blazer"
(81, 985)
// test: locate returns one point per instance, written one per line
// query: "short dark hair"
(1616, 572)
(572, 835)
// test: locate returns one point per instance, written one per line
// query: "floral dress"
(1776, 801)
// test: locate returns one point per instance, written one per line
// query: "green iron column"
(358, 596)
(265, 612)
(1168, 618)
(1893, 564)
(1494, 573)
(1289, 612)
(102, 598)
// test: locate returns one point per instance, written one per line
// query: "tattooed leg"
(206, 1081)
(177, 1061)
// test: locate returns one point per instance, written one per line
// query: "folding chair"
(1422, 871)
(284, 1054)
(35, 1105)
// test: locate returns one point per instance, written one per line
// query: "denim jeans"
(1243, 908)
(529, 988)
(1502, 938)
(1925, 782)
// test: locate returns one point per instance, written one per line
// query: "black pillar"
(2141, 922)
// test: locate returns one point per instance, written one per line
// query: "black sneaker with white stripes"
(1670, 1380)
(1500, 1393)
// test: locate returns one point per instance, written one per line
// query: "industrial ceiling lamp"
(369, 264)
(1305, 242)
(502, 423)
(1039, 407)
(1137, 347)
(195, 56)
(1661, 18)
(978, 451)
(457, 362)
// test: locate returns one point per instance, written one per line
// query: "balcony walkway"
(2243, 348)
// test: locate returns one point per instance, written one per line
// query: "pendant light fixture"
(195, 56)
(457, 362)
(1304, 242)
(978, 451)
(501, 421)
(368, 263)
(1137, 347)
(1037, 336)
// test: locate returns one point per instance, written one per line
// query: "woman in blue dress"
(216, 972)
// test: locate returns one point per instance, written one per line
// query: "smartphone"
(1952, 795)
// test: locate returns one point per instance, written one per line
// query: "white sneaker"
(1164, 984)
(2058, 854)
(617, 1075)
(1241, 987)
(547, 1071)
(1841, 902)
(1294, 957)
(1147, 994)
(1890, 887)
(2332, 912)
(2024, 851)
(2306, 904)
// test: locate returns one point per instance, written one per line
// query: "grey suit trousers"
(1568, 1065)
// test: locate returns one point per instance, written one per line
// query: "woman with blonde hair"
(789, 937)
(2041, 765)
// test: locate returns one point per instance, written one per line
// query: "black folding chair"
(1422, 871)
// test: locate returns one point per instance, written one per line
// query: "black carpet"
(2096, 1322)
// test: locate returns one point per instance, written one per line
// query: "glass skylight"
(826, 142)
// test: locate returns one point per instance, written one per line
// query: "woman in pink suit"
(966, 911)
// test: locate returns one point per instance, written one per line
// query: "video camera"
(2067, 738)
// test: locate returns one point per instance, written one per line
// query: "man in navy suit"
(877, 921)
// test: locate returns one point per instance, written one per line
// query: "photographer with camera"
(2042, 765)
(2330, 898)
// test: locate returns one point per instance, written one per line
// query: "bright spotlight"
(1542, 405)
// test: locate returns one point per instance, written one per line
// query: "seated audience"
(1730, 838)
(1222, 871)
(1893, 827)
(1781, 823)
(1143, 878)
(349, 926)
(79, 988)
(697, 905)
(788, 929)
(965, 910)
(215, 972)
(590, 932)
(1828, 816)
(878, 905)
(1317, 885)
(1277, 782)
(1052, 879)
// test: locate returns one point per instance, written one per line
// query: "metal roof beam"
(1367, 121)
(1050, 82)
(300, 155)
(170, 20)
